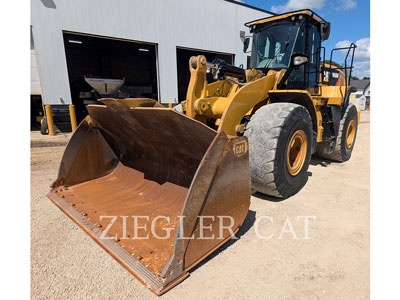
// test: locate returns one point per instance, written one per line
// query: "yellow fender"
(244, 100)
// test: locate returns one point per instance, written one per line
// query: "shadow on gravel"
(268, 198)
(248, 223)
(318, 161)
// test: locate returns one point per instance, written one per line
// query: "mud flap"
(143, 182)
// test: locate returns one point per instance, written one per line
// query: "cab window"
(313, 44)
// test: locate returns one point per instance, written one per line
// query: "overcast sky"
(350, 22)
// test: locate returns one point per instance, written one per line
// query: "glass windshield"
(273, 45)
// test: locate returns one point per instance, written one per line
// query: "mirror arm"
(285, 77)
(289, 70)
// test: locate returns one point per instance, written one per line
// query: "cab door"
(313, 50)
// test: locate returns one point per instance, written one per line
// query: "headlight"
(299, 60)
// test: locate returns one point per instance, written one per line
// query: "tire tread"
(267, 124)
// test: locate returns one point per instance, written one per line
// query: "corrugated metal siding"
(208, 24)
(35, 80)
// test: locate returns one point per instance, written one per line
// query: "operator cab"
(290, 41)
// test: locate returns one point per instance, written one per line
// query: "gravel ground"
(332, 264)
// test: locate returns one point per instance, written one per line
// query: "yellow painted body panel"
(284, 16)
(198, 83)
(238, 101)
(244, 100)
(335, 94)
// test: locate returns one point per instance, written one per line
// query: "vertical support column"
(72, 116)
(167, 70)
(50, 122)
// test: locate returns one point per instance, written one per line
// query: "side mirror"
(325, 31)
(299, 59)
(246, 43)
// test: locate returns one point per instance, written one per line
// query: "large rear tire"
(344, 143)
(280, 141)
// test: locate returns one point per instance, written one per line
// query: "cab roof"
(287, 15)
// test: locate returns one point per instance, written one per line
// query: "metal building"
(148, 43)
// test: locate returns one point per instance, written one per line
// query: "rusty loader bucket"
(157, 190)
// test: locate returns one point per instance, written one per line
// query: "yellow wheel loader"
(161, 188)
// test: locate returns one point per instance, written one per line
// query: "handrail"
(352, 48)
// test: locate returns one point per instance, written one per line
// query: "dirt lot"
(332, 264)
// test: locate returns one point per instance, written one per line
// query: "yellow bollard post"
(50, 122)
(72, 116)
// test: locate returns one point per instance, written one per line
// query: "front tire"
(280, 141)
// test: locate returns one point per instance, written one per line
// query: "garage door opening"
(36, 111)
(182, 59)
(105, 58)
